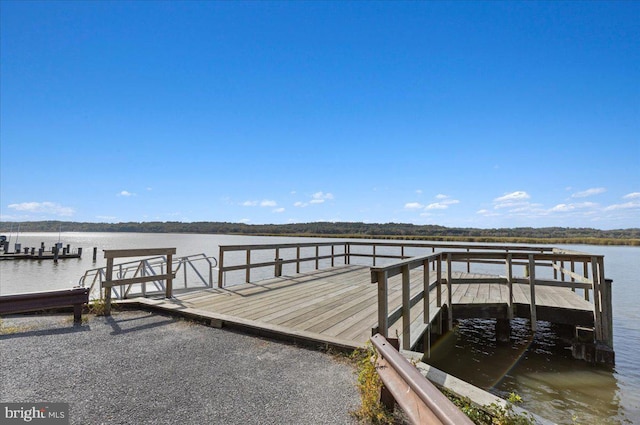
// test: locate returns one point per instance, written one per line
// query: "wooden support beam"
(532, 288)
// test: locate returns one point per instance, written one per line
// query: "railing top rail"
(412, 262)
(282, 245)
(408, 244)
(551, 256)
(413, 244)
(145, 252)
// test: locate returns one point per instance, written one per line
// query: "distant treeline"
(549, 235)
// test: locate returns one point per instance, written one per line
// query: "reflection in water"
(537, 367)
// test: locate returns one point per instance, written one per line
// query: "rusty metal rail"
(419, 399)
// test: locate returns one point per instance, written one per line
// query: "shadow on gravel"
(44, 332)
(124, 329)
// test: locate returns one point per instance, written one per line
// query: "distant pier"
(55, 253)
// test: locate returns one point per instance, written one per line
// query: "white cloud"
(419, 191)
(244, 220)
(589, 192)
(632, 195)
(125, 193)
(268, 203)
(516, 199)
(250, 203)
(513, 196)
(316, 198)
(443, 203)
(321, 196)
(413, 206)
(562, 208)
(279, 210)
(487, 213)
(437, 206)
(625, 206)
(46, 207)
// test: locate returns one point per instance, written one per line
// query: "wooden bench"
(34, 301)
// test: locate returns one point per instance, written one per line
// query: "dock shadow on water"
(538, 367)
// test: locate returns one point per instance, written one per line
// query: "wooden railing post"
(169, 285)
(596, 298)
(248, 269)
(468, 261)
(439, 278)
(374, 255)
(532, 288)
(383, 308)
(221, 268)
(510, 285)
(317, 255)
(277, 267)
(107, 291)
(426, 299)
(585, 273)
(406, 307)
(608, 313)
(333, 255)
(298, 259)
(449, 293)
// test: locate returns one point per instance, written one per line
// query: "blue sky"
(470, 114)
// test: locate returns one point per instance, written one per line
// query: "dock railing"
(591, 280)
(191, 271)
(329, 254)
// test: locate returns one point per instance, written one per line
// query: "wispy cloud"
(279, 210)
(413, 206)
(320, 197)
(513, 196)
(443, 202)
(632, 195)
(516, 199)
(263, 203)
(589, 192)
(47, 208)
(125, 193)
(316, 198)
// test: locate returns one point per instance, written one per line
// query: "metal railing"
(419, 399)
(191, 271)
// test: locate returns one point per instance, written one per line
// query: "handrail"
(591, 280)
(154, 268)
(416, 395)
(346, 253)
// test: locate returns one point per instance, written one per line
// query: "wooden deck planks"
(341, 302)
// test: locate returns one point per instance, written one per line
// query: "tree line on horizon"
(630, 236)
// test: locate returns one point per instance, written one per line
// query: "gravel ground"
(140, 368)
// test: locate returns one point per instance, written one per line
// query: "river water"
(537, 367)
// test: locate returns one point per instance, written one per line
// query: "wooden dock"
(339, 305)
(336, 303)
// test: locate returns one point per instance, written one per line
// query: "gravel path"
(141, 368)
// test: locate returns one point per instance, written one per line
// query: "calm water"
(537, 367)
